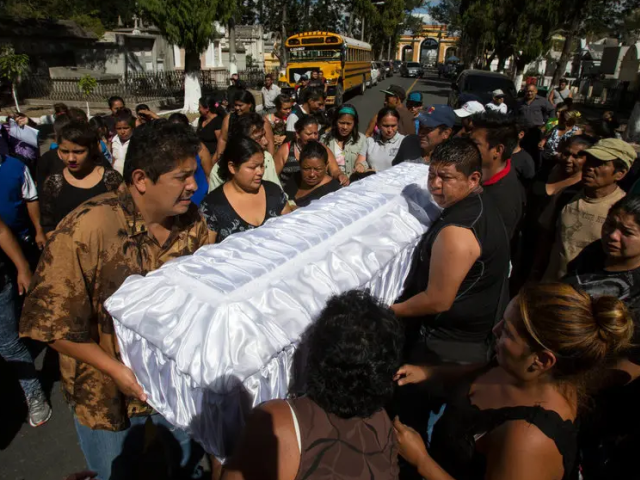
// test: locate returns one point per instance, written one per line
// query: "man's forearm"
(89, 353)
(419, 305)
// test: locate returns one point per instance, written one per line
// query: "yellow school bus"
(345, 62)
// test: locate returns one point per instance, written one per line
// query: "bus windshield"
(304, 54)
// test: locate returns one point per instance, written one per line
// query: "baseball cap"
(470, 108)
(396, 91)
(611, 149)
(498, 93)
(415, 97)
(435, 115)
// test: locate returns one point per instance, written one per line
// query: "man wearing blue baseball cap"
(414, 105)
(435, 124)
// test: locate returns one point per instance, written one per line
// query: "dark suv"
(479, 85)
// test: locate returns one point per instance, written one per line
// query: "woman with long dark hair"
(344, 139)
(379, 151)
(244, 103)
(83, 177)
(244, 201)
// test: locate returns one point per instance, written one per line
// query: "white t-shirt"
(119, 152)
(380, 154)
(292, 119)
(502, 108)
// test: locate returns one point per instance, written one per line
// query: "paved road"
(52, 451)
(432, 89)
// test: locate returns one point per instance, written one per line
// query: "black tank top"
(462, 333)
(291, 167)
(453, 443)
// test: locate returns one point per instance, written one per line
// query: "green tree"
(87, 84)
(577, 18)
(327, 16)
(189, 24)
(12, 67)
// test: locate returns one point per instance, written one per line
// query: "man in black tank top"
(454, 291)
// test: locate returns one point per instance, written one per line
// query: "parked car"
(479, 85)
(388, 68)
(381, 70)
(375, 74)
(396, 66)
(411, 69)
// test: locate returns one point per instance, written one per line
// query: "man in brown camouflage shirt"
(149, 221)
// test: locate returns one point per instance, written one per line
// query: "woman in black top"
(244, 201)
(514, 418)
(82, 178)
(209, 123)
(313, 181)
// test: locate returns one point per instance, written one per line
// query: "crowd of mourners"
(511, 353)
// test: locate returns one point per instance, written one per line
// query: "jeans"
(125, 454)
(12, 348)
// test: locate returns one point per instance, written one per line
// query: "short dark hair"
(114, 99)
(305, 121)
(268, 75)
(157, 147)
(583, 140)
(125, 115)
(84, 135)
(60, 108)
(462, 152)
(629, 204)
(59, 123)
(501, 130)
(99, 125)
(142, 106)
(77, 115)
(314, 149)
(178, 117)
(281, 99)
(237, 152)
(243, 125)
(385, 111)
(312, 93)
(354, 350)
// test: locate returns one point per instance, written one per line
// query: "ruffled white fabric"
(212, 335)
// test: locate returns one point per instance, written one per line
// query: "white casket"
(212, 335)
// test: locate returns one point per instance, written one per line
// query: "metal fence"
(134, 87)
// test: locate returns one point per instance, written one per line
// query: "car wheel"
(363, 88)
